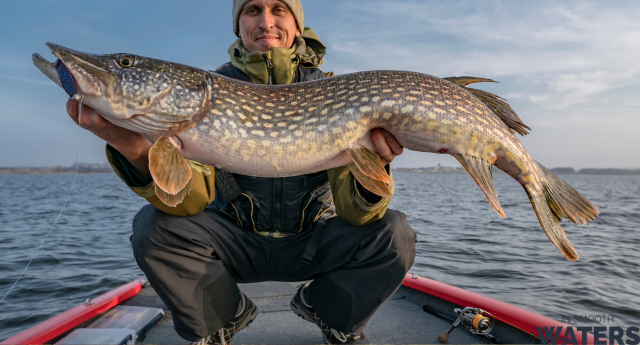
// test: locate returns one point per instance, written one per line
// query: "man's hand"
(386, 144)
(133, 146)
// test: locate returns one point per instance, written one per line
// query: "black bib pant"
(194, 263)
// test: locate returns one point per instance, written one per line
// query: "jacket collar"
(308, 51)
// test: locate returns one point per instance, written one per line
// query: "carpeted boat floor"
(399, 320)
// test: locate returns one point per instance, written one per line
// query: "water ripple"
(461, 241)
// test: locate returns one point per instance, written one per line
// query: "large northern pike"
(287, 130)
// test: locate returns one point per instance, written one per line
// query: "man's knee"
(148, 227)
(402, 239)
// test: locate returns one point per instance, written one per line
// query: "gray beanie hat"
(294, 5)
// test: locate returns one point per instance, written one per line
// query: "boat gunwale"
(66, 321)
(516, 317)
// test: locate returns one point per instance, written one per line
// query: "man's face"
(265, 24)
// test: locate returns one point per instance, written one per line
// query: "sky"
(569, 68)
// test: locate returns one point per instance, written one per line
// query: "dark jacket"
(274, 207)
(279, 206)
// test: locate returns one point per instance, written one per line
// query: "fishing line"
(78, 99)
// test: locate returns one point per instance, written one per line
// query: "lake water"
(462, 242)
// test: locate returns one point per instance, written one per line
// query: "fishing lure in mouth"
(66, 78)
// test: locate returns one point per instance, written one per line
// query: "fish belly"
(303, 128)
(250, 157)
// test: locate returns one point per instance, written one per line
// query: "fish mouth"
(80, 72)
(97, 79)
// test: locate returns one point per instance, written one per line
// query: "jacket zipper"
(278, 206)
(269, 67)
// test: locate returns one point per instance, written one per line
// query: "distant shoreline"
(558, 171)
(43, 172)
(82, 168)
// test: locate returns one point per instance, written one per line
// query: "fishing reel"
(475, 320)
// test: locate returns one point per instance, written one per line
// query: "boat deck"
(400, 320)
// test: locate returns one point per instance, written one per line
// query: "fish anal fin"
(373, 185)
(462, 81)
(171, 172)
(369, 163)
(480, 170)
(173, 200)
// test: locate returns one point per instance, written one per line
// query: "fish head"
(149, 96)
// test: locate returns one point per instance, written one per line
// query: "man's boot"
(302, 308)
(247, 313)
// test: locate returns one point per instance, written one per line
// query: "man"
(260, 229)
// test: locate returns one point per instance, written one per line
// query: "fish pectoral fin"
(480, 170)
(171, 172)
(173, 200)
(374, 186)
(462, 81)
(369, 163)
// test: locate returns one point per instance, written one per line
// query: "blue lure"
(66, 78)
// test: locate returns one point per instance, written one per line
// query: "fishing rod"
(76, 98)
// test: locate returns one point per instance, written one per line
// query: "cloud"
(569, 68)
(574, 49)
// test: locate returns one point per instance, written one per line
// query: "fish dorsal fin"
(502, 110)
(171, 172)
(463, 81)
(369, 163)
(374, 186)
(480, 170)
(496, 103)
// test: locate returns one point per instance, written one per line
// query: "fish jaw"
(47, 68)
(141, 97)
(88, 70)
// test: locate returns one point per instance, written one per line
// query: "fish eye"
(126, 61)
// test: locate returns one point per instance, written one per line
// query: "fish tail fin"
(551, 226)
(480, 170)
(566, 202)
(559, 200)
